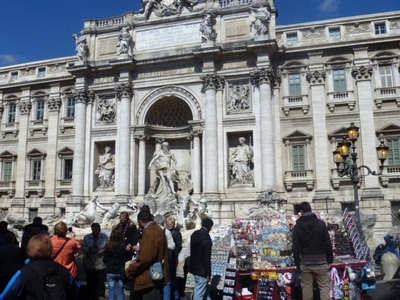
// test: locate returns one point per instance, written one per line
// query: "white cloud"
(8, 59)
(329, 5)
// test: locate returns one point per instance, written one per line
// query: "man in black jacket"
(200, 258)
(312, 252)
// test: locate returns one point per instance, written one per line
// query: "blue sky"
(32, 30)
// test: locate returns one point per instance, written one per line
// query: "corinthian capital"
(124, 90)
(316, 77)
(362, 73)
(213, 81)
(84, 96)
(54, 104)
(24, 107)
(263, 76)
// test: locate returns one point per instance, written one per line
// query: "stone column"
(24, 106)
(196, 161)
(263, 79)
(322, 171)
(277, 130)
(53, 104)
(82, 96)
(367, 141)
(142, 165)
(124, 95)
(211, 83)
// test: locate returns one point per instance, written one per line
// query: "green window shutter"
(339, 80)
(294, 84)
(394, 152)
(7, 171)
(298, 158)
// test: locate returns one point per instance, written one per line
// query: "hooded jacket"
(200, 253)
(311, 241)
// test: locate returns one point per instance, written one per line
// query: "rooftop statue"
(261, 19)
(163, 8)
(125, 41)
(81, 47)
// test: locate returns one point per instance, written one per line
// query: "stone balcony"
(10, 129)
(64, 186)
(390, 174)
(345, 98)
(34, 187)
(386, 95)
(38, 126)
(299, 102)
(67, 124)
(7, 188)
(338, 181)
(299, 179)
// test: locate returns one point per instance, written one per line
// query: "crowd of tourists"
(137, 260)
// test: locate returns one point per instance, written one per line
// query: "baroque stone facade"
(223, 72)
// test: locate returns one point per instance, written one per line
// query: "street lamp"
(345, 158)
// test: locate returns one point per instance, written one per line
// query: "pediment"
(389, 130)
(66, 151)
(8, 154)
(36, 153)
(297, 136)
(338, 134)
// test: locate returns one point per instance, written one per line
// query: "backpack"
(45, 280)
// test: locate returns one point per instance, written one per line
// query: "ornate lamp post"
(345, 157)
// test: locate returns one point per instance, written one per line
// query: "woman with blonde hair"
(64, 249)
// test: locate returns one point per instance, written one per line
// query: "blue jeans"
(115, 287)
(200, 288)
(167, 291)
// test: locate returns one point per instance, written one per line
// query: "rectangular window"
(7, 171)
(68, 164)
(36, 169)
(14, 76)
(298, 158)
(41, 72)
(386, 76)
(334, 33)
(380, 28)
(71, 107)
(339, 80)
(394, 152)
(40, 110)
(294, 84)
(12, 110)
(291, 38)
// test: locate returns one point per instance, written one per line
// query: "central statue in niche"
(164, 162)
(170, 185)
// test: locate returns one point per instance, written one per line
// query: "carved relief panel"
(238, 98)
(105, 111)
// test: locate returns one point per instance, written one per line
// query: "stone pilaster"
(83, 97)
(362, 75)
(124, 96)
(211, 83)
(317, 83)
(24, 106)
(263, 79)
(53, 104)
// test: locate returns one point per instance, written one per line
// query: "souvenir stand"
(265, 265)
(221, 237)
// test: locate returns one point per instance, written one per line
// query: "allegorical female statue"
(105, 171)
(240, 164)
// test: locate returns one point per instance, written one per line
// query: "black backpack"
(45, 280)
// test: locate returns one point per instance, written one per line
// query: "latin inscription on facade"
(168, 37)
